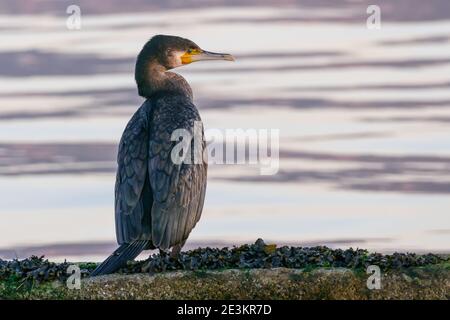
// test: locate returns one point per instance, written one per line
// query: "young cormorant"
(158, 201)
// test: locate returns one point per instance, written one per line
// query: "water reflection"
(365, 154)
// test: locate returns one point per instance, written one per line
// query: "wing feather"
(178, 189)
(157, 199)
(132, 197)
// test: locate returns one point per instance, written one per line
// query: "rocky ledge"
(256, 271)
(279, 283)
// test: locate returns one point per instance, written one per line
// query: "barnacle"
(255, 256)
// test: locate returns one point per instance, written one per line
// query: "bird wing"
(178, 189)
(132, 193)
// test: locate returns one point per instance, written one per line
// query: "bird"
(159, 201)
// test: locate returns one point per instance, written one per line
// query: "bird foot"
(175, 253)
(163, 253)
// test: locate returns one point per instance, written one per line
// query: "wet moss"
(278, 283)
(249, 256)
(254, 271)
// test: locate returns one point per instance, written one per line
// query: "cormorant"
(158, 202)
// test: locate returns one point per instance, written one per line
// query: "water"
(363, 116)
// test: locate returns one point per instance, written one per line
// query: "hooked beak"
(200, 55)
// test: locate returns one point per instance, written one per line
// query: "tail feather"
(119, 258)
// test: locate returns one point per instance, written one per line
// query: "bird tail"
(119, 258)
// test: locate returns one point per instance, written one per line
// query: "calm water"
(364, 119)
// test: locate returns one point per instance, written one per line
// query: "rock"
(36, 270)
(278, 283)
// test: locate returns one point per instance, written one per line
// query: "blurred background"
(364, 119)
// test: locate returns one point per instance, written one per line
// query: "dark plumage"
(158, 202)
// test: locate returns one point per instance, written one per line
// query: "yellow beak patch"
(186, 58)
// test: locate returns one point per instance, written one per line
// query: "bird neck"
(155, 78)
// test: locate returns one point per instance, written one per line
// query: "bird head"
(172, 52)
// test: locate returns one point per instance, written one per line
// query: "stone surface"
(279, 283)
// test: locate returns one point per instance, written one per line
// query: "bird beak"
(200, 55)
